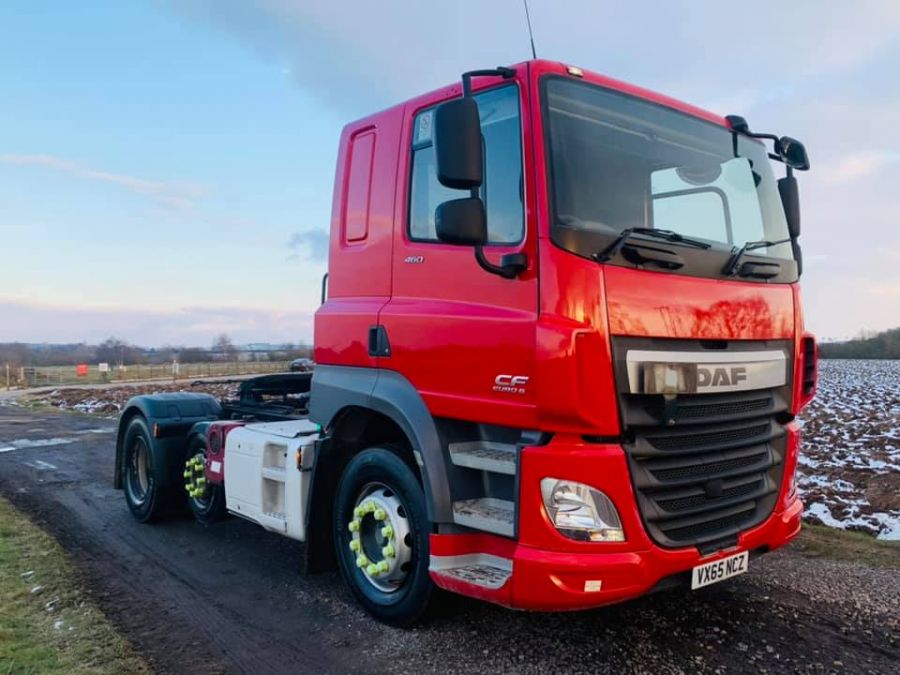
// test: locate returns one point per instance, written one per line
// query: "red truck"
(558, 366)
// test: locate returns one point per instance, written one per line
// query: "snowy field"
(850, 457)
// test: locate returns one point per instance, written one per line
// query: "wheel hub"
(195, 483)
(379, 538)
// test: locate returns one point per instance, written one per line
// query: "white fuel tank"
(267, 474)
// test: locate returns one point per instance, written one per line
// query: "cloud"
(858, 165)
(311, 244)
(367, 55)
(886, 289)
(170, 195)
(193, 325)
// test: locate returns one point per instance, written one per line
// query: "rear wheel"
(206, 500)
(146, 499)
(381, 532)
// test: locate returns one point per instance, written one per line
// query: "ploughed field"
(849, 472)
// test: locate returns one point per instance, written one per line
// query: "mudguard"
(337, 387)
(172, 417)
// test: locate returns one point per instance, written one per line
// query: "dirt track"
(230, 598)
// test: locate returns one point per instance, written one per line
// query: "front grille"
(697, 531)
(703, 482)
(705, 471)
(727, 408)
(704, 467)
(701, 499)
(727, 436)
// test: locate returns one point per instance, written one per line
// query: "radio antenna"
(530, 33)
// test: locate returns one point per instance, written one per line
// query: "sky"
(166, 167)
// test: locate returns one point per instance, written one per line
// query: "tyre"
(381, 532)
(206, 500)
(146, 499)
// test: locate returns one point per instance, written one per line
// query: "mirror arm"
(511, 265)
(500, 71)
(514, 264)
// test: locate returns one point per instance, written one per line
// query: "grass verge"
(47, 624)
(818, 541)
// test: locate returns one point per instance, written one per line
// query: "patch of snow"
(41, 465)
(25, 443)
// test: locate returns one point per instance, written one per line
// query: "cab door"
(465, 337)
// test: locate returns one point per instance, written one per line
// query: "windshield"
(619, 162)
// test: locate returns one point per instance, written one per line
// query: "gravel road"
(230, 598)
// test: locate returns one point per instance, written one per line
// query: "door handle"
(379, 345)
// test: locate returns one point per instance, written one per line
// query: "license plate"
(715, 571)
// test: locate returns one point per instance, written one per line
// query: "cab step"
(487, 514)
(485, 455)
(479, 569)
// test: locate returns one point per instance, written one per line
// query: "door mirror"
(793, 153)
(790, 199)
(461, 221)
(457, 144)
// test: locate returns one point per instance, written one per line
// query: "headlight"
(580, 512)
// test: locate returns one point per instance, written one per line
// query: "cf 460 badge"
(510, 384)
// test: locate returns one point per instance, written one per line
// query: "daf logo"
(510, 384)
(721, 377)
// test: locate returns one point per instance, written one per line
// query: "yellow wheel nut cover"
(372, 569)
(388, 551)
(370, 506)
(387, 532)
(380, 514)
(362, 561)
(383, 567)
(354, 545)
(353, 526)
(359, 512)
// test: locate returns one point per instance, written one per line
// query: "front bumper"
(552, 573)
(550, 580)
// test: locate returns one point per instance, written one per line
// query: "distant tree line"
(884, 345)
(115, 351)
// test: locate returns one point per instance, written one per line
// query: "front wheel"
(381, 532)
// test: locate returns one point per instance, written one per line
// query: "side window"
(359, 187)
(502, 188)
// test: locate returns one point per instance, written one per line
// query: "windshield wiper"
(731, 266)
(625, 235)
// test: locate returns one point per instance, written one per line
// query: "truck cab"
(558, 364)
(591, 415)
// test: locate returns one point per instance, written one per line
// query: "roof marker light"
(575, 70)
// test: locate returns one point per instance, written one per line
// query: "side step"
(485, 455)
(480, 569)
(487, 514)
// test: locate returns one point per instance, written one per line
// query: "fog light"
(580, 512)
